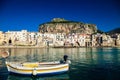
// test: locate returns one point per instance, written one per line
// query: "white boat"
(38, 68)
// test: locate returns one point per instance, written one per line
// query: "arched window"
(10, 41)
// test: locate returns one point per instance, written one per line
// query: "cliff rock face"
(58, 25)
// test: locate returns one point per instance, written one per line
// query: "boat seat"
(31, 65)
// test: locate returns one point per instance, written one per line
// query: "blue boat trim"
(44, 74)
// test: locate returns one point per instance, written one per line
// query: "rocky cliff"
(58, 25)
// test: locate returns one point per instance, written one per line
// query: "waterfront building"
(105, 40)
(24, 37)
(81, 40)
(1, 38)
(74, 40)
(46, 39)
(118, 40)
(94, 40)
(99, 39)
(17, 37)
(32, 37)
(68, 40)
(59, 39)
(88, 41)
(39, 39)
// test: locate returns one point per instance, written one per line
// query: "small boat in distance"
(38, 68)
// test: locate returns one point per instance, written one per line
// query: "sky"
(16, 15)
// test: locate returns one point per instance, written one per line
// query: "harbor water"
(87, 63)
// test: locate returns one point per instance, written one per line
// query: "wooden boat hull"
(37, 69)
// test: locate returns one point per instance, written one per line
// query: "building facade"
(24, 37)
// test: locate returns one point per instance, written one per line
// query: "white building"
(17, 35)
(82, 39)
(32, 36)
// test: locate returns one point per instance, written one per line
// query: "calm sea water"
(87, 63)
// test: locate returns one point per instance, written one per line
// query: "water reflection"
(81, 55)
(58, 77)
(3, 70)
(86, 62)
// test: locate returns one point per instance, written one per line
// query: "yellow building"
(1, 38)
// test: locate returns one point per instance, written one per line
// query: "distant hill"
(117, 30)
(60, 25)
